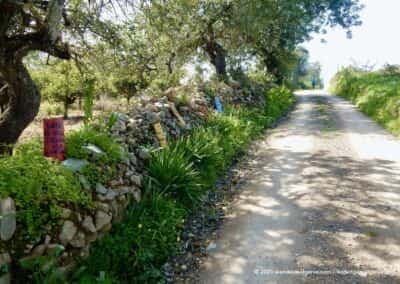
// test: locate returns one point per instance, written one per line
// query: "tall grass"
(377, 94)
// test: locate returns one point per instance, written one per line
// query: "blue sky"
(377, 41)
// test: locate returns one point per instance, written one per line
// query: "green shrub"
(103, 168)
(76, 140)
(278, 101)
(173, 174)
(40, 188)
(202, 148)
(137, 248)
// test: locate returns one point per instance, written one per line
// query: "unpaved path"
(322, 203)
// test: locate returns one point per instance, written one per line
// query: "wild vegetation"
(179, 177)
(376, 93)
(69, 53)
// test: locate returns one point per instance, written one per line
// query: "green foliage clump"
(40, 188)
(76, 141)
(278, 101)
(202, 148)
(136, 249)
(172, 174)
(377, 94)
(103, 167)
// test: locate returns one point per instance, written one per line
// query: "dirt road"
(322, 203)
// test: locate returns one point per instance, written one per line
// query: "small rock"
(136, 179)
(212, 246)
(102, 220)
(8, 222)
(152, 117)
(75, 165)
(95, 151)
(184, 267)
(116, 182)
(78, 241)
(66, 213)
(47, 239)
(68, 232)
(84, 182)
(111, 195)
(88, 224)
(144, 154)
(100, 189)
(39, 250)
(137, 194)
(102, 206)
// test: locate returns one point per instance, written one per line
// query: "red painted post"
(54, 144)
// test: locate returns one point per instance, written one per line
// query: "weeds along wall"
(377, 94)
(120, 199)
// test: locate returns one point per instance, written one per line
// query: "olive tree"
(46, 26)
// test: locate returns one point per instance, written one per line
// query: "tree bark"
(217, 56)
(23, 104)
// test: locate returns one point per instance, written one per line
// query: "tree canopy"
(132, 45)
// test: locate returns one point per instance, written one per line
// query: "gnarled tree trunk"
(33, 33)
(217, 56)
(24, 101)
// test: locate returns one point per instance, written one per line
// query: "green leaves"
(173, 174)
(40, 187)
(377, 94)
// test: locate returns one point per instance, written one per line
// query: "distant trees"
(304, 71)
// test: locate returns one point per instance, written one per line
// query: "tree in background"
(304, 71)
(60, 82)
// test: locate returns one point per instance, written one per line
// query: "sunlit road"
(322, 203)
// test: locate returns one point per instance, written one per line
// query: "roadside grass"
(377, 94)
(179, 176)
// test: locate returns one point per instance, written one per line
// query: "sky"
(376, 42)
